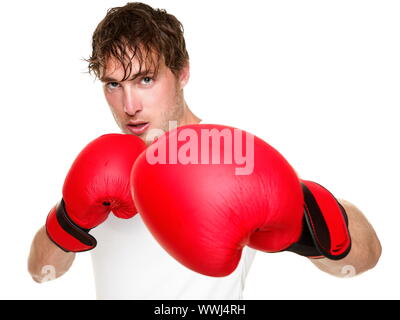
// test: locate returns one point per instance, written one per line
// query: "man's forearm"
(365, 249)
(47, 261)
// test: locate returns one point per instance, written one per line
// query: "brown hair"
(137, 29)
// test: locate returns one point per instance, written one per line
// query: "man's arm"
(47, 261)
(365, 249)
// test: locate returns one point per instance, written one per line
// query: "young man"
(140, 56)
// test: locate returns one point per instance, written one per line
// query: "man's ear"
(184, 75)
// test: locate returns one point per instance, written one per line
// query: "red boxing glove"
(206, 191)
(97, 183)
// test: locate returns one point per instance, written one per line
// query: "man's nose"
(132, 102)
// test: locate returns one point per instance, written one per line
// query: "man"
(140, 56)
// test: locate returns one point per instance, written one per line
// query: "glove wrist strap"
(65, 233)
(325, 225)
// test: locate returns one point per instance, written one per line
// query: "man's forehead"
(116, 70)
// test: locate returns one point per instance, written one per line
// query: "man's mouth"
(138, 127)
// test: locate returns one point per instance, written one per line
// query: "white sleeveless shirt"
(130, 264)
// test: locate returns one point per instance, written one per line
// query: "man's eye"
(112, 85)
(147, 80)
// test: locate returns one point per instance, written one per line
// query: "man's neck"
(189, 117)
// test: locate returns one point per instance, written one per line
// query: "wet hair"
(138, 30)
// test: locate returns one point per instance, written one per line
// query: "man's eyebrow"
(108, 79)
(135, 76)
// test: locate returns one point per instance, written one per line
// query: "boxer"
(139, 54)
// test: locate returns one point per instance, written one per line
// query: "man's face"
(145, 101)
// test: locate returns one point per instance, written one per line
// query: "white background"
(319, 80)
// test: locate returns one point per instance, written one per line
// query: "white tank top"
(129, 264)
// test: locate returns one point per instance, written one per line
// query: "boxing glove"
(206, 191)
(96, 184)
